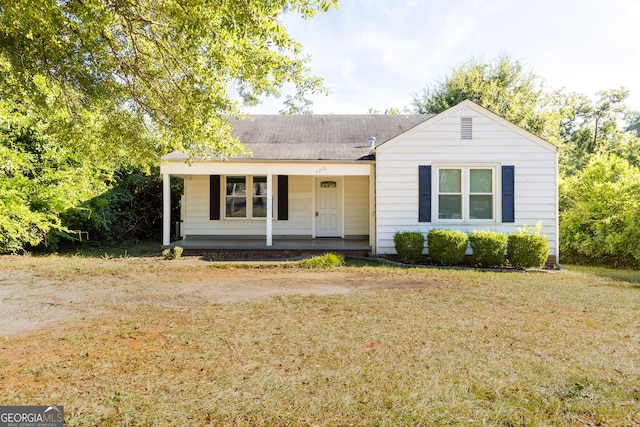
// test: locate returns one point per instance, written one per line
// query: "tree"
(164, 74)
(40, 179)
(589, 127)
(503, 86)
(297, 104)
(633, 120)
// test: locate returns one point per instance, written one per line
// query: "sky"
(374, 54)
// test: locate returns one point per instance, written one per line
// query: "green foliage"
(173, 253)
(130, 210)
(409, 245)
(48, 189)
(591, 127)
(172, 68)
(488, 247)
(327, 260)
(39, 180)
(600, 212)
(527, 248)
(297, 104)
(447, 247)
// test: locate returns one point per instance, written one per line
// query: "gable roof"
(315, 137)
(468, 104)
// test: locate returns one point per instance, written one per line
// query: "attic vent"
(466, 128)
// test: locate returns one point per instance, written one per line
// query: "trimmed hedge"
(527, 248)
(488, 248)
(409, 245)
(447, 247)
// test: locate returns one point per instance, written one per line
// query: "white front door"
(328, 207)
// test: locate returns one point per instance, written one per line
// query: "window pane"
(259, 188)
(450, 207)
(481, 181)
(480, 207)
(236, 207)
(236, 186)
(450, 180)
(259, 207)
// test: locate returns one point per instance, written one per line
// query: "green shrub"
(600, 213)
(488, 248)
(527, 248)
(170, 254)
(409, 245)
(327, 260)
(447, 247)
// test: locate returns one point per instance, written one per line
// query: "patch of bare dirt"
(40, 292)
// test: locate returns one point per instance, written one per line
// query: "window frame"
(466, 194)
(249, 197)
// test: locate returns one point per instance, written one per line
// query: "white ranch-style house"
(350, 182)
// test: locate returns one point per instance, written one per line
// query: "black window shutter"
(424, 190)
(508, 194)
(214, 197)
(283, 197)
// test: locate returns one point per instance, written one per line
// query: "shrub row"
(525, 249)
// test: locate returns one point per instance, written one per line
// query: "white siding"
(300, 222)
(356, 205)
(438, 142)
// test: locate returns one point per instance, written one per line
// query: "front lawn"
(434, 347)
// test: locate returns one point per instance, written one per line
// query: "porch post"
(166, 210)
(269, 210)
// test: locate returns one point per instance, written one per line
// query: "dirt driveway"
(37, 292)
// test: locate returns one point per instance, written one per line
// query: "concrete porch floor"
(360, 246)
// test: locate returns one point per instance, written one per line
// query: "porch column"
(269, 210)
(166, 210)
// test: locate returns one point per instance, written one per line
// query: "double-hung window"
(259, 201)
(466, 193)
(245, 197)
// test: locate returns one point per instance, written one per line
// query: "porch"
(203, 244)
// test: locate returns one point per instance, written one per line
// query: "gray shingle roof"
(317, 137)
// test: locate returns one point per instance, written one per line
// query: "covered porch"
(291, 215)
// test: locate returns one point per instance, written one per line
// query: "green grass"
(90, 250)
(442, 348)
(631, 276)
(328, 260)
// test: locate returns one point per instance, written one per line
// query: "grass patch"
(440, 348)
(135, 250)
(327, 260)
(631, 276)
